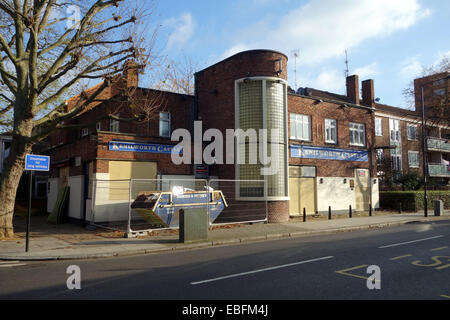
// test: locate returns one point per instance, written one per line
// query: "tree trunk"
(9, 181)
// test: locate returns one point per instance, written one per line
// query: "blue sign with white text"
(143, 147)
(37, 163)
(308, 152)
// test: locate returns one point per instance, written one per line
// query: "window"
(396, 163)
(439, 92)
(438, 82)
(412, 132)
(380, 156)
(300, 127)
(378, 127)
(357, 134)
(164, 124)
(394, 130)
(98, 126)
(114, 125)
(413, 159)
(84, 132)
(330, 131)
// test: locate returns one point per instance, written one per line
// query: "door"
(302, 193)
(362, 190)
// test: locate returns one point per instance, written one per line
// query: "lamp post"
(424, 157)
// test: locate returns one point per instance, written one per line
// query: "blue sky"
(387, 40)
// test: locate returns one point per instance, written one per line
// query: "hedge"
(413, 200)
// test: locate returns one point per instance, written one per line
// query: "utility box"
(438, 208)
(193, 225)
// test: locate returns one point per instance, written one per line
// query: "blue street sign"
(37, 163)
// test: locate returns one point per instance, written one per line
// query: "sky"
(386, 40)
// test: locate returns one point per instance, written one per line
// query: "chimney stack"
(131, 73)
(368, 93)
(353, 88)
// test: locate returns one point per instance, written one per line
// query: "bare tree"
(175, 76)
(48, 50)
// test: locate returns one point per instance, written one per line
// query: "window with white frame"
(380, 156)
(330, 131)
(396, 163)
(413, 159)
(98, 126)
(114, 125)
(357, 134)
(394, 128)
(412, 132)
(164, 124)
(378, 127)
(300, 127)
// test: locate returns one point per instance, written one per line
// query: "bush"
(410, 181)
(412, 200)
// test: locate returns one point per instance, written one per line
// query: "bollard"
(399, 207)
(370, 209)
(350, 211)
(304, 214)
(329, 213)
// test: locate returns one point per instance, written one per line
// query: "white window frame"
(413, 165)
(299, 119)
(394, 131)
(379, 127)
(165, 120)
(84, 132)
(330, 126)
(359, 128)
(114, 125)
(397, 165)
(414, 138)
(98, 126)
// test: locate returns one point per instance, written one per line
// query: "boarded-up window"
(120, 174)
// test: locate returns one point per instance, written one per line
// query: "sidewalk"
(78, 243)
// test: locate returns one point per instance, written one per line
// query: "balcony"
(436, 144)
(439, 170)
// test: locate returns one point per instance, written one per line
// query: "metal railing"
(438, 170)
(139, 206)
(436, 144)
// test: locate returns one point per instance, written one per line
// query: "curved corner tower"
(248, 91)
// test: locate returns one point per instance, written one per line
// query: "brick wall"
(319, 111)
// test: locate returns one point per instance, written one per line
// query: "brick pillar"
(368, 93)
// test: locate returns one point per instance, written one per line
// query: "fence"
(142, 205)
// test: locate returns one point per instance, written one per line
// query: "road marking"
(437, 249)
(437, 263)
(11, 264)
(408, 242)
(345, 272)
(445, 296)
(260, 270)
(401, 257)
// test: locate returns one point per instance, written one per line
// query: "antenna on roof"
(346, 64)
(295, 53)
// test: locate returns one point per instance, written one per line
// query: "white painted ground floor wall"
(337, 194)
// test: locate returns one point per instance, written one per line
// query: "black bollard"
(350, 211)
(329, 213)
(304, 214)
(370, 210)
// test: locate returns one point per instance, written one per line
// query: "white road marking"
(408, 242)
(261, 270)
(11, 265)
(8, 264)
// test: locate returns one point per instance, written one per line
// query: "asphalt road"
(414, 262)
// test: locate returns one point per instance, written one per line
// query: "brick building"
(326, 144)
